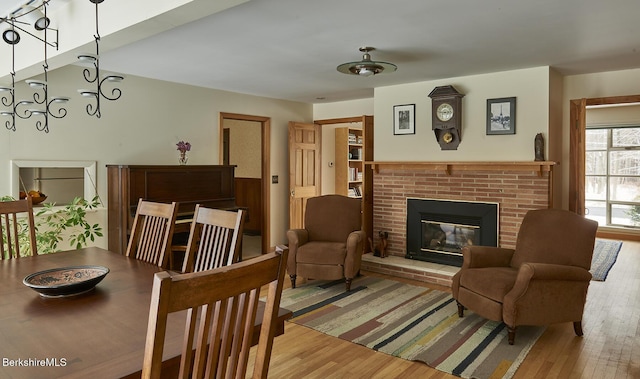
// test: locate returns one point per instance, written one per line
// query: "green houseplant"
(52, 223)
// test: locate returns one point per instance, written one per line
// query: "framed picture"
(501, 116)
(404, 119)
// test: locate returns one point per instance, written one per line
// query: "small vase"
(182, 159)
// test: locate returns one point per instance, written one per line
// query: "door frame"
(577, 131)
(265, 127)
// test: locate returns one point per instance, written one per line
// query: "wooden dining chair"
(10, 228)
(215, 239)
(227, 300)
(151, 232)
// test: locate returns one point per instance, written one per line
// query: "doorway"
(245, 142)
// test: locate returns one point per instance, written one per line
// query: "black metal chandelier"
(41, 95)
(92, 75)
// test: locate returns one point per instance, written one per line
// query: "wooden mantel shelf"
(448, 167)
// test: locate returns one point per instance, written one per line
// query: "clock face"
(444, 112)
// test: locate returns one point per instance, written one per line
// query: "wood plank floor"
(610, 347)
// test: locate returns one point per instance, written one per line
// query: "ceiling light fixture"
(366, 67)
(28, 14)
(35, 17)
(94, 77)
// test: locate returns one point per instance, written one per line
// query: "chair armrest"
(355, 243)
(547, 271)
(529, 273)
(486, 256)
(546, 293)
(296, 237)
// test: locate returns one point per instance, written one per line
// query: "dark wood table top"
(99, 334)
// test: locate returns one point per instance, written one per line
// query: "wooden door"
(304, 169)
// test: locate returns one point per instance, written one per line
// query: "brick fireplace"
(516, 186)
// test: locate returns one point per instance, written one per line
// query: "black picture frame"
(501, 116)
(404, 119)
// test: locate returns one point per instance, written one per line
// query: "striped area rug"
(410, 322)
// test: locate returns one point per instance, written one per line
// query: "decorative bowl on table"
(66, 281)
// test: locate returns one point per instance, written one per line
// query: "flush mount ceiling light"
(366, 67)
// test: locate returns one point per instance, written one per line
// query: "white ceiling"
(289, 49)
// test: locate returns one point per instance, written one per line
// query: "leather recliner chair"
(542, 281)
(331, 244)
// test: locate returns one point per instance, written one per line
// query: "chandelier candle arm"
(92, 75)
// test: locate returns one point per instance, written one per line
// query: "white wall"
(143, 128)
(529, 86)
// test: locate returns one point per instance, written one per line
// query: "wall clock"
(446, 116)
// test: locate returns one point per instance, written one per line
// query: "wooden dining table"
(98, 334)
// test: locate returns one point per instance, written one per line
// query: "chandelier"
(26, 15)
(92, 75)
(366, 67)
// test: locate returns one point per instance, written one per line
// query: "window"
(612, 175)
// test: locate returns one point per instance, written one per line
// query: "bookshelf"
(349, 162)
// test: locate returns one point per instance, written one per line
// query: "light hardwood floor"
(610, 347)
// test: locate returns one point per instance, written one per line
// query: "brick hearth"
(516, 186)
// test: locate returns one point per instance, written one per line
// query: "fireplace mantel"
(539, 167)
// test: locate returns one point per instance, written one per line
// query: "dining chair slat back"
(11, 226)
(221, 309)
(152, 231)
(215, 239)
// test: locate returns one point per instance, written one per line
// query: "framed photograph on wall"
(404, 119)
(501, 116)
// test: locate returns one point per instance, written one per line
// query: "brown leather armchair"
(542, 281)
(331, 244)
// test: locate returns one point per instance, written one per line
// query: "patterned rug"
(410, 322)
(605, 254)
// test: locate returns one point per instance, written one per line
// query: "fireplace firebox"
(437, 230)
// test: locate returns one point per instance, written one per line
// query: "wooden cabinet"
(212, 186)
(352, 176)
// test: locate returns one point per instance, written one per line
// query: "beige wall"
(245, 147)
(143, 128)
(530, 87)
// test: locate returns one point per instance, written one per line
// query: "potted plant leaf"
(53, 223)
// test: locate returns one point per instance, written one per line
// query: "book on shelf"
(354, 173)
